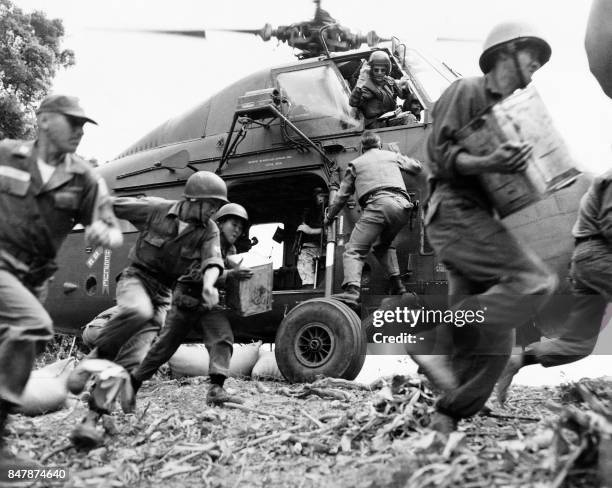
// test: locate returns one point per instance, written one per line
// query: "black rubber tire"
(321, 336)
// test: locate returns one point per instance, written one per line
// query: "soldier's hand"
(304, 228)
(101, 234)
(511, 157)
(241, 273)
(364, 74)
(210, 296)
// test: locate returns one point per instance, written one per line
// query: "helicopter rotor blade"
(201, 34)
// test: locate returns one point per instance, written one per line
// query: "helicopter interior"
(276, 208)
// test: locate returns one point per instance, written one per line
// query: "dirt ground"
(328, 434)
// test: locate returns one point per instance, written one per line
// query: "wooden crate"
(252, 296)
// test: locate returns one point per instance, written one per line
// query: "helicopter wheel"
(321, 336)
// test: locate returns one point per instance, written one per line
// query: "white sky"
(132, 82)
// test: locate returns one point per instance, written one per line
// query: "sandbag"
(266, 368)
(46, 390)
(193, 359)
(244, 358)
(189, 360)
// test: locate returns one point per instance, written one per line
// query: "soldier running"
(488, 269)
(45, 189)
(190, 313)
(177, 238)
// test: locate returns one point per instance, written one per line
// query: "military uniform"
(161, 255)
(36, 218)
(591, 277)
(186, 314)
(311, 247)
(488, 269)
(374, 100)
(376, 178)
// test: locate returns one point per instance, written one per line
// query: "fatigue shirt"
(595, 214)
(462, 101)
(374, 100)
(160, 249)
(314, 219)
(37, 217)
(375, 170)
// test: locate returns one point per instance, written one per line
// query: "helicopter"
(273, 136)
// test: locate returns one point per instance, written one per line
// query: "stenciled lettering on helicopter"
(276, 161)
(106, 272)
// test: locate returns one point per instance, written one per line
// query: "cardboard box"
(252, 296)
(520, 117)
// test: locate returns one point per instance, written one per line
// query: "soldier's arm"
(102, 227)
(448, 158)
(409, 165)
(135, 210)
(605, 212)
(212, 265)
(598, 42)
(347, 188)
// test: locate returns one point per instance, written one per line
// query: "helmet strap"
(514, 55)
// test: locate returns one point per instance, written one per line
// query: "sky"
(132, 82)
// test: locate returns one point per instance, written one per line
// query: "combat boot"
(396, 286)
(217, 395)
(86, 435)
(8, 460)
(445, 424)
(351, 296)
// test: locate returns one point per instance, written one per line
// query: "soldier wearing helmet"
(177, 241)
(375, 91)
(488, 269)
(190, 312)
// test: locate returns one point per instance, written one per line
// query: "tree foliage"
(30, 55)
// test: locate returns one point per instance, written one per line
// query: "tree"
(30, 55)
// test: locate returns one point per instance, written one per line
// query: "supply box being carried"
(252, 296)
(520, 117)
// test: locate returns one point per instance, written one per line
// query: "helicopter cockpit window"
(430, 76)
(317, 93)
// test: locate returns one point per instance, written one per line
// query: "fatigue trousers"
(215, 328)
(591, 276)
(381, 220)
(306, 264)
(25, 328)
(142, 304)
(488, 271)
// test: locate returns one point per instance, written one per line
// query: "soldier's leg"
(364, 234)
(305, 265)
(135, 308)
(396, 213)
(219, 340)
(176, 329)
(24, 326)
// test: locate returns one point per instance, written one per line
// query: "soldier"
(591, 265)
(486, 265)
(45, 189)
(375, 91)
(310, 251)
(376, 178)
(188, 312)
(176, 238)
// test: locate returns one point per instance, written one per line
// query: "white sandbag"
(189, 360)
(193, 360)
(266, 368)
(46, 390)
(244, 358)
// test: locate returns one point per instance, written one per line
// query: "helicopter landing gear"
(321, 336)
